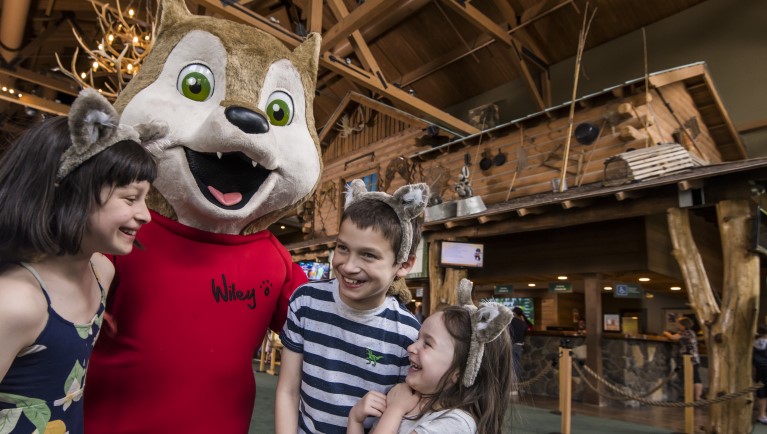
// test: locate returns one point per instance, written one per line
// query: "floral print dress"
(42, 390)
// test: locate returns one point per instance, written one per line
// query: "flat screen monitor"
(461, 255)
(315, 270)
(525, 303)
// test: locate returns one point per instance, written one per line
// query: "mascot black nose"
(247, 120)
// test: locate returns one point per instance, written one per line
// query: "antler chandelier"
(125, 41)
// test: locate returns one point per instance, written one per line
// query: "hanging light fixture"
(124, 44)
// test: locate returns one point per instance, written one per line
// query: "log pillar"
(730, 327)
(592, 285)
(443, 282)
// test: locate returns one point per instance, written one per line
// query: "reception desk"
(639, 363)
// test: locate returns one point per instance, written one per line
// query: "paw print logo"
(266, 287)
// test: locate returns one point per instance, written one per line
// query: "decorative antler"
(123, 47)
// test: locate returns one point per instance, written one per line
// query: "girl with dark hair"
(70, 187)
(459, 379)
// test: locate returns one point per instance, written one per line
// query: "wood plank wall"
(533, 150)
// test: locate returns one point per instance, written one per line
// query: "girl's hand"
(372, 404)
(402, 398)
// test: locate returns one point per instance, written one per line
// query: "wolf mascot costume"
(190, 310)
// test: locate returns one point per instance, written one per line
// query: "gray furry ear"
(94, 125)
(354, 190)
(488, 321)
(412, 198)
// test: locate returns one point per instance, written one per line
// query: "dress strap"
(98, 280)
(39, 280)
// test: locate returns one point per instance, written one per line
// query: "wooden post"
(443, 282)
(565, 387)
(689, 412)
(592, 285)
(732, 335)
(729, 328)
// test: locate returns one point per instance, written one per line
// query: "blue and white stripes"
(346, 352)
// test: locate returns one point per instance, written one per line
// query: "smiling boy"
(348, 336)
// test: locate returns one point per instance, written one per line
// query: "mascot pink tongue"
(227, 199)
(190, 310)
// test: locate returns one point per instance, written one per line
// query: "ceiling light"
(644, 279)
(531, 284)
(282, 226)
(562, 277)
(676, 288)
(608, 288)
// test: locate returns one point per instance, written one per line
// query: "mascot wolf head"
(242, 149)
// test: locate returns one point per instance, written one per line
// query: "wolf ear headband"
(407, 202)
(488, 321)
(94, 126)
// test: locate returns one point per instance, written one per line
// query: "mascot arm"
(295, 278)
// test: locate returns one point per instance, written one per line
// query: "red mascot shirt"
(186, 316)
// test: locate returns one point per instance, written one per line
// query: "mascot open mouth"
(229, 179)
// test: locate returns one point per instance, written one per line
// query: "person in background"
(688, 344)
(760, 365)
(72, 189)
(350, 335)
(581, 326)
(518, 328)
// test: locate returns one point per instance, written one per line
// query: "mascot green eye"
(196, 82)
(279, 108)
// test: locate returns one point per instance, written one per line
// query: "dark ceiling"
(422, 56)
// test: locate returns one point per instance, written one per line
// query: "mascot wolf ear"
(172, 12)
(308, 53)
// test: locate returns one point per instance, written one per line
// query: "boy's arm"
(288, 392)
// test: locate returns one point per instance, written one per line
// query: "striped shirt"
(346, 352)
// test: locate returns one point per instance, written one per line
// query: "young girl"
(70, 187)
(459, 378)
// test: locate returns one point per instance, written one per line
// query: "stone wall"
(639, 365)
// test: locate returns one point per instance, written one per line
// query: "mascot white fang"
(189, 311)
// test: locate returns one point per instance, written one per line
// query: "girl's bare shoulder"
(105, 269)
(22, 301)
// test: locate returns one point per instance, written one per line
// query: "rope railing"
(538, 377)
(640, 398)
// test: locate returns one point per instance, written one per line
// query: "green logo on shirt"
(372, 358)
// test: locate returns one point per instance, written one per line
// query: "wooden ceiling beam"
(37, 103)
(360, 46)
(314, 16)
(239, 14)
(351, 72)
(31, 49)
(362, 15)
(63, 86)
(484, 23)
(480, 20)
(508, 12)
(396, 95)
(402, 10)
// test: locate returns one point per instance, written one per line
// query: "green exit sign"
(503, 289)
(560, 287)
